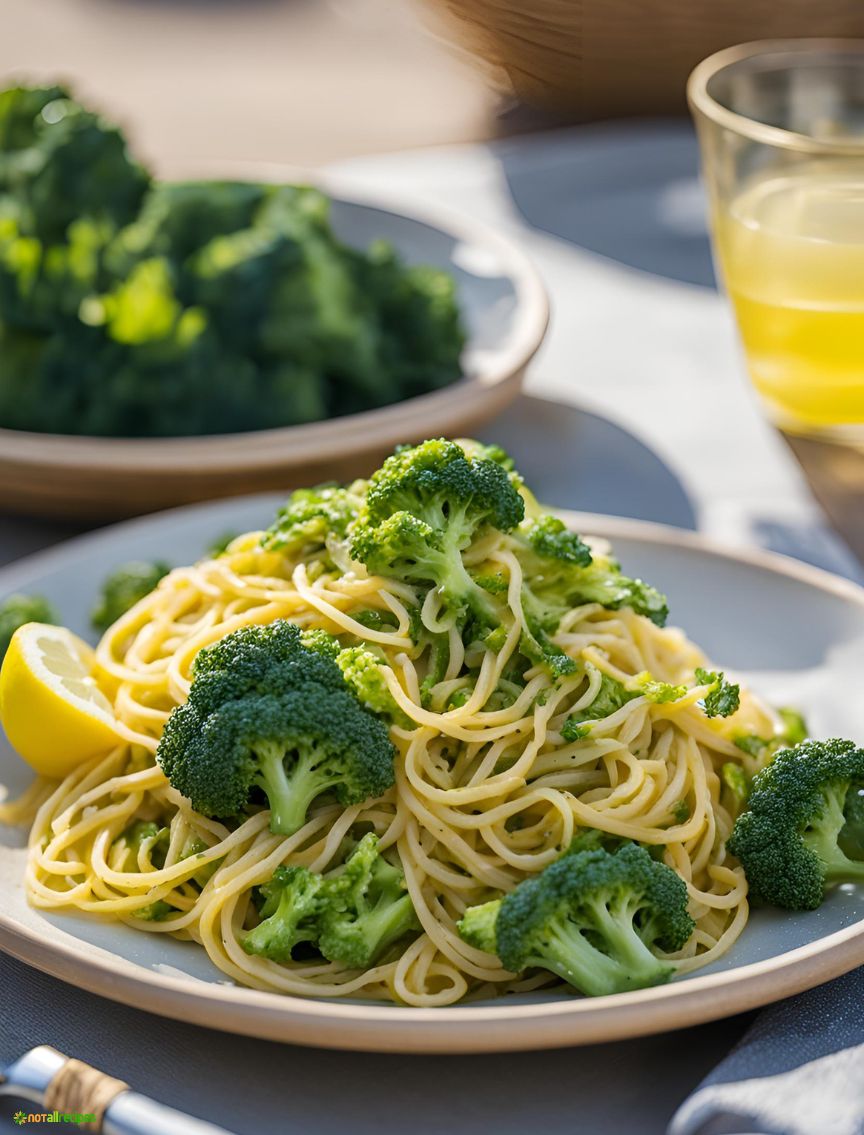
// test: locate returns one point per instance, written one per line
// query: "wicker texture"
(596, 58)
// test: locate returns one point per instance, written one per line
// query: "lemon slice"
(54, 713)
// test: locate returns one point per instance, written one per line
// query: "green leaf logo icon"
(19, 1117)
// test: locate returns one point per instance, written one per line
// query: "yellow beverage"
(791, 249)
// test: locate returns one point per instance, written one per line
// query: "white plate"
(794, 632)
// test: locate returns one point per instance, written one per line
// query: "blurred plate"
(504, 306)
(795, 633)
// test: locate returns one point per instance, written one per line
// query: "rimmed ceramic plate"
(505, 310)
(793, 632)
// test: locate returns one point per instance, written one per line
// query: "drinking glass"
(781, 128)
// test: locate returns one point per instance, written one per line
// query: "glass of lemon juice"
(781, 126)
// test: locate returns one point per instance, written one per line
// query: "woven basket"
(597, 58)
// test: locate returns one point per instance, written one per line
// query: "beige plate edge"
(494, 1026)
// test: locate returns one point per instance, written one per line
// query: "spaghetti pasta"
(488, 788)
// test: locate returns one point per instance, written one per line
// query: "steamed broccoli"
(802, 822)
(351, 914)
(561, 572)
(134, 309)
(420, 326)
(148, 835)
(16, 610)
(366, 907)
(65, 163)
(219, 546)
(310, 516)
(660, 693)
(550, 538)
(292, 903)
(20, 109)
(794, 726)
(423, 508)
(723, 698)
(477, 926)
(266, 712)
(124, 587)
(361, 670)
(595, 918)
(737, 781)
(611, 696)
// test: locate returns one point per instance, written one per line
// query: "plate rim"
(324, 440)
(493, 1027)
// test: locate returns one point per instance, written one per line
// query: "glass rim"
(702, 103)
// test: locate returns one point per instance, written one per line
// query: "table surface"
(653, 419)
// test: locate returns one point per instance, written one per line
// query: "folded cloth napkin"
(799, 1070)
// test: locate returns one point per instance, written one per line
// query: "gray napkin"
(799, 1070)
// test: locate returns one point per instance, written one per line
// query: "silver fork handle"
(128, 1113)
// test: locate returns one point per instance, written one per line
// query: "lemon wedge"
(54, 713)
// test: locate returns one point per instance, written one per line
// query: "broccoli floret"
(251, 652)
(366, 908)
(594, 918)
(681, 812)
(421, 331)
(794, 727)
(611, 696)
(559, 573)
(16, 610)
(723, 699)
(20, 108)
(292, 903)
(423, 508)
(477, 926)
(124, 587)
(375, 620)
(437, 660)
(750, 744)
(130, 842)
(266, 712)
(494, 453)
(804, 808)
(737, 781)
(192, 308)
(361, 670)
(550, 538)
(590, 839)
(220, 545)
(660, 693)
(71, 164)
(177, 218)
(132, 839)
(309, 516)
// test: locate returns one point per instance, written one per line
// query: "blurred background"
(308, 81)
(299, 81)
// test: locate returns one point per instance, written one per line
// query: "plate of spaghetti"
(414, 764)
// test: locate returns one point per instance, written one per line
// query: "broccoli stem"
(629, 964)
(386, 922)
(275, 937)
(822, 837)
(290, 794)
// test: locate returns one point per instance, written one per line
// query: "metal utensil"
(127, 1113)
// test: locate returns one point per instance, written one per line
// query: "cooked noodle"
(483, 796)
